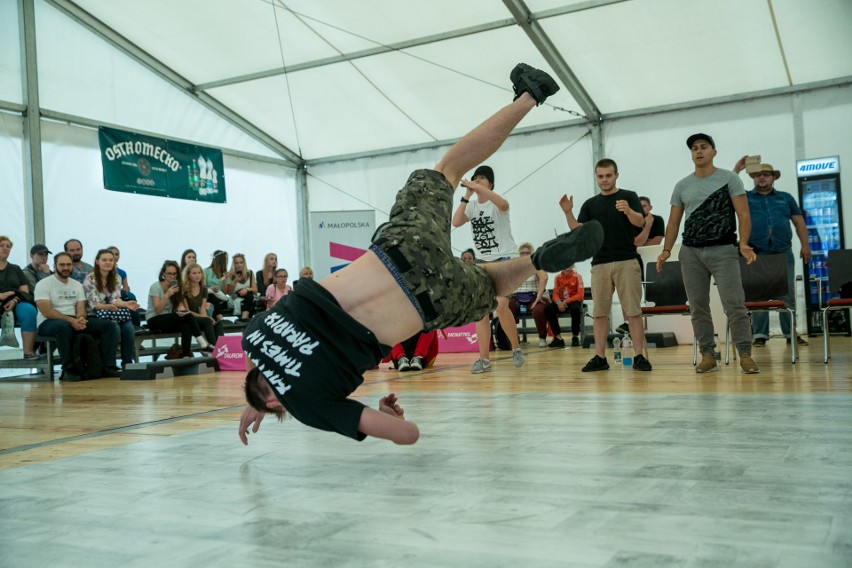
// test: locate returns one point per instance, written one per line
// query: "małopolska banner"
(338, 238)
(135, 163)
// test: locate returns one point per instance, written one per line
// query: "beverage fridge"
(820, 199)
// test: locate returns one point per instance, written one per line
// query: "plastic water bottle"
(616, 350)
(627, 351)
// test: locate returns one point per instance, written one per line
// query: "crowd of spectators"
(71, 297)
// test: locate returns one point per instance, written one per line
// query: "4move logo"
(818, 166)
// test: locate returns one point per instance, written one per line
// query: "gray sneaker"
(481, 366)
(518, 357)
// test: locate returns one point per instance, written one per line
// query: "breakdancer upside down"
(308, 352)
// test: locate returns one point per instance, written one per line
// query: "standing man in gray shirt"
(714, 200)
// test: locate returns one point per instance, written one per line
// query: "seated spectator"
(62, 314)
(218, 285)
(37, 269)
(126, 294)
(415, 353)
(16, 300)
(244, 287)
(531, 298)
(167, 312)
(103, 296)
(305, 272)
(275, 292)
(265, 277)
(568, 295)
(80, 269)
(188, 257)
(469, 256)
(195, 296)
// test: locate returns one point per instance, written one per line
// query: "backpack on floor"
(501, 340)
(86, 356)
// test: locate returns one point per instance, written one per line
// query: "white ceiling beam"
(144, 58)
(529, 23)
(741, 97)
(357, 54)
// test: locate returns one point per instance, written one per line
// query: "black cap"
(484, 171)
(700, 136)
(38, 249)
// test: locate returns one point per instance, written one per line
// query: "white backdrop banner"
(338, 238)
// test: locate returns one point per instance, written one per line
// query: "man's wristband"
(465, 200)
(667, 250)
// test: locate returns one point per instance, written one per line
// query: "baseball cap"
(700, 136)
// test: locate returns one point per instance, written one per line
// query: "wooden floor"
(538, 466)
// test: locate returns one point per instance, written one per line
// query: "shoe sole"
(527, 79)
(568, 248)
(711, 370)
(585, 370)
(479, 372)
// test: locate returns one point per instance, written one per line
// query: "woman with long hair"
(188, 257)
(194, 290)
(167, 310)
(103, 296)
(219, 285)
(244, 287)
(265, 277)
(15, 298)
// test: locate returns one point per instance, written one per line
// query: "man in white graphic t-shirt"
(492, 237)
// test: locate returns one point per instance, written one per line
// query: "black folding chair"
(839, 275)
(764, 281)
(666, 290)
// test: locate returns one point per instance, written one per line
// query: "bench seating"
(47, 364)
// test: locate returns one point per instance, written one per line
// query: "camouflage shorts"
(415, 247)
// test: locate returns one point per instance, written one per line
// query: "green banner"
(135, 163)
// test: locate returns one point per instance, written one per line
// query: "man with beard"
(771, 212)
(61, 306)
(80, 269)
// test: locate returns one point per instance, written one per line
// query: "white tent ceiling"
(318, 80)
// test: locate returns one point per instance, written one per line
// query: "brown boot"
(747, 364)
(707, 364)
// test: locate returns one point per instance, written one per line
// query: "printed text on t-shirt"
(287, 355)
(483, 233)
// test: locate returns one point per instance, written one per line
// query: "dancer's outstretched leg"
(532, 87)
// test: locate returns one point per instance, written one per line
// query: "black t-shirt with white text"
(313, 355)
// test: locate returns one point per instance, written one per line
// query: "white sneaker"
(416, 364)
(542, 343)
(481, 366)
(403, 364)
(518, 357)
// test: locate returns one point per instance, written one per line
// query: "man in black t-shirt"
(307, 354)
(654, 228)
(614, 267)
